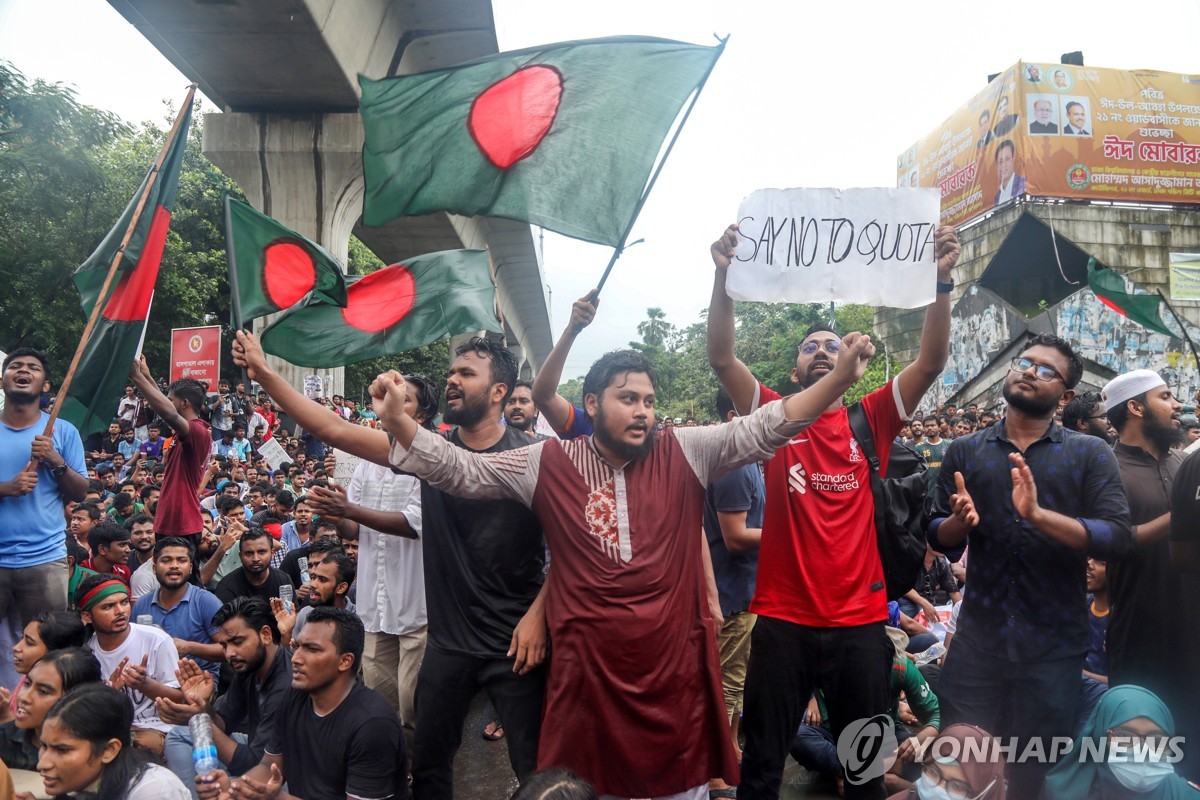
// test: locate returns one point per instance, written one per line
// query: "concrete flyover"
(285, 74)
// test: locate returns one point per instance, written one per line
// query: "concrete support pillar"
(304, 170)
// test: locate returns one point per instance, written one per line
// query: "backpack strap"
(861, 429)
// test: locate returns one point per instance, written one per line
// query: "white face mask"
(928, 790)
(1140, 776)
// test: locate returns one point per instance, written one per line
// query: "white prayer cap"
(1128, 386)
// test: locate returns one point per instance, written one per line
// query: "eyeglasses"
(1097, 416)
(809, 348)
(959, 790)
(1040, 371)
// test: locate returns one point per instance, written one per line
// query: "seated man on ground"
(333, 737)
(261, 674)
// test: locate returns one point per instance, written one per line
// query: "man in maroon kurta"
(634, 660)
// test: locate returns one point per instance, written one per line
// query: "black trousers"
(446, 685)
(1022, 699)
(787, 662)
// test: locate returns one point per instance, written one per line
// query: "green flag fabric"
(275, 268)
(563, 136)
(389, 311)
(103, 371)
(1117, 293)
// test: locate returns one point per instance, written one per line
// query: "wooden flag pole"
(112, 269)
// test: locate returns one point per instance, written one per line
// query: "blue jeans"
(814, 749)
(178, 753)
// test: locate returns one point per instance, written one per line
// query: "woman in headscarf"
(962, 763)
(1102, 764)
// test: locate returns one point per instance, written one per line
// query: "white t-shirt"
(143, 581)
(164, 658)
(158, 783)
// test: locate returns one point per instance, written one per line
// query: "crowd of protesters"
(332, 584)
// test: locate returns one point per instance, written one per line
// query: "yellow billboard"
(1064, 131)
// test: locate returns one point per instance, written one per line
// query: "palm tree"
(655, 329)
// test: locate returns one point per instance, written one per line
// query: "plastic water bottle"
(302, 562)
(287, 595)
(145, 619)
(935, 652)
(204, 750)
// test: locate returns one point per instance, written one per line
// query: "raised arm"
(330, 428)
(735, 376)
(716, 451)
(917, 377)
(139, 375)
(511, 474)
(553, 407)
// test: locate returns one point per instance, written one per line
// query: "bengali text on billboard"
(1050, 130)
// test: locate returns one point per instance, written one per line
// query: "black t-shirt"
(357, 749)
(484, 564)
(236, 584)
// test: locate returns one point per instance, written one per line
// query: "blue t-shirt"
(190, 619)
(577, 425)
(735, 573)
(32, 525)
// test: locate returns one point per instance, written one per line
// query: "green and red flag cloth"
(563, 136)
(394, 309)
(103, 370)
(273, 268)
(1119, 294)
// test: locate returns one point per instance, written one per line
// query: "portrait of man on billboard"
(1005, 120)
(1011, 184)
(1075, 121)
(1044, 113)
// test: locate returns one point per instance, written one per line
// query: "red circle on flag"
(289, 272)
(509, 119)
(378, 301)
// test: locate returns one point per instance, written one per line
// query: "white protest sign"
(343, 469)
(274, 453)
(872, 246)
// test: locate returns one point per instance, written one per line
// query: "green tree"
(66, 172)
(655, 329)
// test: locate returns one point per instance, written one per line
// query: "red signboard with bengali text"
(196, 353)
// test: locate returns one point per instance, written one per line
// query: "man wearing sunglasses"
(820, 593)
(1033, 501)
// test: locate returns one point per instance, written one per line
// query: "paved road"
(482, 772)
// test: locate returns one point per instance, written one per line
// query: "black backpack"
(900, 497)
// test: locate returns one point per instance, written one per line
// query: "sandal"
(494, 731)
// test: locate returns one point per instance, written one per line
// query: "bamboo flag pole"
(112, 269)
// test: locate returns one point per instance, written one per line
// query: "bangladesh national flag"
(103, 370)
(273, 268)
(1119, 294)
(563, 136)
(391, 310)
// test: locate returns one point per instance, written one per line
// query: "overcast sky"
(807, 94)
